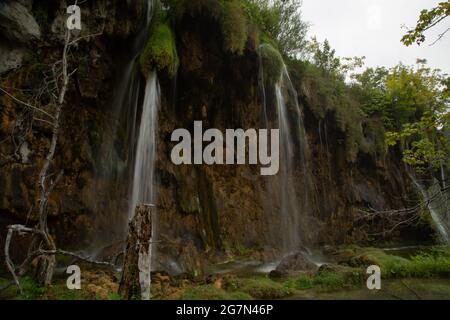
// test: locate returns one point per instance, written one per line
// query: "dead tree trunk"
(136, 277)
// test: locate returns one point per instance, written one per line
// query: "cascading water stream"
(293, 206)
(144, 166)
(437, 204)
(143, 158)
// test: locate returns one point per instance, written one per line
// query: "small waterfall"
(145, 155)
(437, 203)
(292, 218)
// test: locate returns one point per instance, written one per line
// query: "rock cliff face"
(204, 211)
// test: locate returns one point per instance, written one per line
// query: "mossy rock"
(272, 63)
(160, 52)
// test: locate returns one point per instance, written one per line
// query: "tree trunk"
(136, 277)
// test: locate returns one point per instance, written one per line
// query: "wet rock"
(17, 23)
(12, 57)
(298, 261)
(276, 274)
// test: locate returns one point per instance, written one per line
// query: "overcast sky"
(373, 28)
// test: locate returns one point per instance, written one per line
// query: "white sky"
(373, 28)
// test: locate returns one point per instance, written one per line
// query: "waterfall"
(437, 203)
(115, 161)
(145, 155)
(292, 217)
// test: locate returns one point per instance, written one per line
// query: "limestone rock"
(298, 261)
(17, 23)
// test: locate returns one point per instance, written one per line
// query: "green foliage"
(374, 133)
(419, 115)
(371, 90)
(325, 58)
(160, 52)
(280, 20)
(412, 105)
(427, 20)
(234, 27)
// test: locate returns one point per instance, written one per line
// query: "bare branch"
(26, 104)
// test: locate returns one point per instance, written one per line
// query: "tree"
(419, 110)
(372, 89)
(325, 58)
(427, 20)
(282, 21)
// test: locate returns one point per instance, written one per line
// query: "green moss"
(234, 27)
(272, 63)
(160, 52)
(209, 292)
(260, 288)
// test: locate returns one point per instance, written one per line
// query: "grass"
(259, 288)
(31, 290)
(325, 281)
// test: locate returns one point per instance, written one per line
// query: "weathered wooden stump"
(136, 277)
